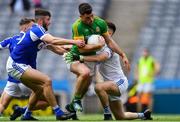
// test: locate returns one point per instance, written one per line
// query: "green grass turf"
(99, 117)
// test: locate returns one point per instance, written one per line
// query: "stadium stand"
(64, 13)
(160, 34)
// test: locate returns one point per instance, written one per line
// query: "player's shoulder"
(36, 28)
(99, 20)
(76, 23)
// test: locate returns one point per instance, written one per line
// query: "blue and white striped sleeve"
(5, 43)
(37, 33)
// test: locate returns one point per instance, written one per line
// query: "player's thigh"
(117, 109)
(109, 86)
(79, 68)
(33, 78)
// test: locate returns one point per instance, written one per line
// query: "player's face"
(46, 22)
(87, 18)
(145, 53)
(110, 31)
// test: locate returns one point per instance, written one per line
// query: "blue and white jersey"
(10, 43)
(26, 49)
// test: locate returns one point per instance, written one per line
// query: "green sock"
(76, 97)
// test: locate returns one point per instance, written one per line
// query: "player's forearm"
(91, 58)
(62, 41)
(114, 46)
(96, 58)
(49, 39)
(56, 49)
(90, 48)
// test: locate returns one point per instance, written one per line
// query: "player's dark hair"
(85, 8)
(112, 26)
(41, 12)
(25, 21)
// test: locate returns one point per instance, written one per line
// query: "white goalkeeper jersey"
(111, 69)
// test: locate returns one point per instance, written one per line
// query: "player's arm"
(5, 43)
(91, 47)
(136, 72)
(57, 49)
(157, 67)
(66, 47)
(114, 46)
(96, 58)
(49, 39)
(102, 55)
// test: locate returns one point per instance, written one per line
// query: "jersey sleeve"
(5, 43)
(103, 25)
(104, 28)
(37, 33)
(107, 50)
(77, 32)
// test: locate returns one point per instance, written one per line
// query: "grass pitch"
(99, 117)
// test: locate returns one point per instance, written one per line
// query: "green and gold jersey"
(83, 31)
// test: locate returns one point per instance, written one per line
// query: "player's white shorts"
(17, 89)
(123, 86)
(146, 87)
(15, 70)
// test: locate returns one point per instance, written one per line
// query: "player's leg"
(140, 88)
(18, 111)
(82, 83)
(41, 84)
(118, 111)
(4, 101)
(116, 104)
(102, 90)
(11, 90)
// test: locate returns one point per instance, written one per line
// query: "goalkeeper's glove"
(69, 57)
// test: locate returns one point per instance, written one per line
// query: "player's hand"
(126, 63)
(70, 57)
(101, 40)
(79, 43)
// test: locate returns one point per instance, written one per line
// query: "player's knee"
(48, 82)
(98, 88)
(85, 73)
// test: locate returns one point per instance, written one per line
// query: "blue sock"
(107, 110)
(27, 113)
(22, 110)
(58, 111)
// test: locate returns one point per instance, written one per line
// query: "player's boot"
(16, 112)
(23, 118)
(71, 109)
(77, 105)
(147, 115)
(65, 116)
(108, 117)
